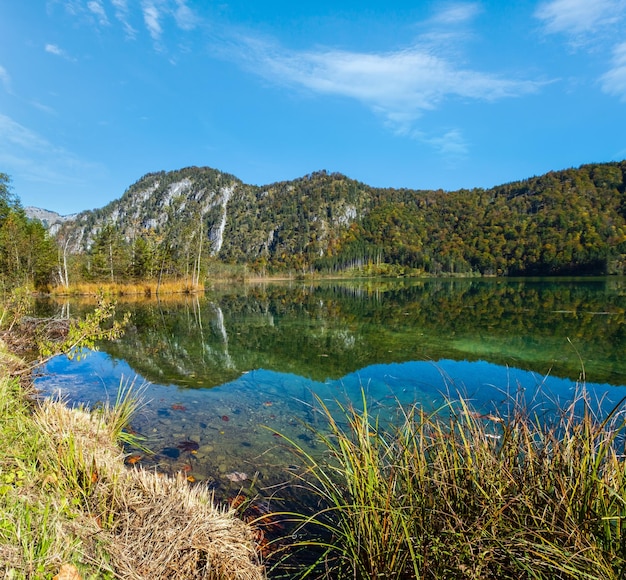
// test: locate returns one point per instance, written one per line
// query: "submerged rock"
(237, 476)
(171, 452)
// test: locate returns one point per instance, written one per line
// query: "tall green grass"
(456, 494)
(52, 501)
(31, 544)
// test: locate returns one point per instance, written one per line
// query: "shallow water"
(239, 374)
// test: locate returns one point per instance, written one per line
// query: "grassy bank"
(69, 505)
(454, 494)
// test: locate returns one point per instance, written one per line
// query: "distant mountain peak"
(50, 219)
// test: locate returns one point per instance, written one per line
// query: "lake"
(236, 373)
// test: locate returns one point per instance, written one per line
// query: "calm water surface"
(234, 372)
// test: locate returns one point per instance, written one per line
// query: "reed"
(147, 289)
(458, 494)
(129, 400)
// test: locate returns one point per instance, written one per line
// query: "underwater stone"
(171, 452)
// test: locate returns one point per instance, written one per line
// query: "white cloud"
(54, 49)
(595, 22)
(73, 7)
(453, 14)
(450, 27)
(5, 79)
(89, 11)
(614, 81)
(184, 16)
(122, 14)
(153, 12)
(97, 9)
(57, 51)
(399, 85)
(26, 152)
(578, 17)
(19, 136)
(42, 107)
(151, 17)
(451, 144)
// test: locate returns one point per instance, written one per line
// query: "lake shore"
(72, 509)
(454, 491)
(152, 288)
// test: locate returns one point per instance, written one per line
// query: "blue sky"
(425, 95)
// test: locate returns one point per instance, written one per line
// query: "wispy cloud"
(97, 9)
(578, 17)
(20, 137)
(45, 108)
(54, 49)
(154, 13)
(400, 85)
(57, 51)
(596, 24)
(450, 27)
(614, 81)
(28, 152)
(122, 13)
(5, 79)
(89, 11)
(451, 143)
(185, 18)
(73, 7)
(457, 13)
(151, 18)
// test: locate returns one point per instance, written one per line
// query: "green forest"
(199, 222)
(28, 255)
(567, 222)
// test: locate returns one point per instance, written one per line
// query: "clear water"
(237, 374)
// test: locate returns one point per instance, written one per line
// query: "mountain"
(240, 222)
(570, 221)
(50, 219)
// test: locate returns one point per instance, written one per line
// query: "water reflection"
(234, 370)
(329, 330)
(238, 427)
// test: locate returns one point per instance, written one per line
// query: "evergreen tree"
(27, 253)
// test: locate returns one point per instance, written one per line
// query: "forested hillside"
(569, 221)
(179, 219)
(564, 222)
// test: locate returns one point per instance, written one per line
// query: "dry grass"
(190, 537)
(148, 288)
(151, 526)
(9, 363)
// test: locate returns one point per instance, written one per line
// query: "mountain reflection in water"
(234, 371)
